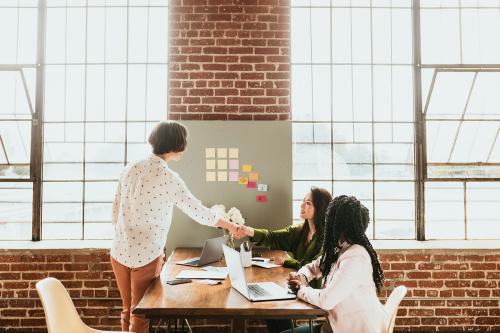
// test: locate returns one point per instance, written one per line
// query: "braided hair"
(347, 220)
(320, 200)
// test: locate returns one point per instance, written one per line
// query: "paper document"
(215, 269)
(191, 274)
(209, 282)
(264, 264)
(261, 259)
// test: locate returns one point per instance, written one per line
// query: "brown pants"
(132, 284)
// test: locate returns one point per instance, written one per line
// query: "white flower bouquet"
(233, 215)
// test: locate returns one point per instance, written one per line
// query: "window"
(460, 80)
(105, 85)
(355, 112)
(352, 107)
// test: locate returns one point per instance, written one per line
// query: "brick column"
(229, 60)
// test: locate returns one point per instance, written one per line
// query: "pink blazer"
(349, 293)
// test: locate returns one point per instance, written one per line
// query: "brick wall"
(449, 290)
(229, 60)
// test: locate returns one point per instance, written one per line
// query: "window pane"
(116, 34)
(341, 35)
(352, 161)
(449, 95)
(440, 36)
(479, 34)
(444, 211)
(484, 102)
(320, 24)
(321, 92)
(483, 200)
(16, 201)
(311, 161)
(300, 35)
(301, 92)
(15, 149)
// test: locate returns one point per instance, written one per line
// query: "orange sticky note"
(253, 176)
(251, 185)
(243, 180)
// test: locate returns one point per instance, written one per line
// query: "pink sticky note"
(251, 185)
(233, 176)
(261, 198)
(234, 164)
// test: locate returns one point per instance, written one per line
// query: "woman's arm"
(311, 271)
(347, 278)
(178, 193)
(116, 204)
(283, 239)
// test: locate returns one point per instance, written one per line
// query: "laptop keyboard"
(257, 291)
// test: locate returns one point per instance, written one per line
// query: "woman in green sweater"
(302, 241)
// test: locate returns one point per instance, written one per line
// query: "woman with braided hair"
(351, 273)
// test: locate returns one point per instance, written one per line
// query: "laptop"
(255, 292)
(212, 251)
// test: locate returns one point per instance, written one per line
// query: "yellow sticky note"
(246, 168)
(253, 176)
(243, 180)
(222, 176)
(221, 152)
(210, 164)
(210, 152)
(222, 164)
(233, 152)
(210, 176)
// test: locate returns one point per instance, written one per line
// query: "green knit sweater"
(288, 239)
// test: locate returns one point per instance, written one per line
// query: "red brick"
(417, 274)
(483, 266)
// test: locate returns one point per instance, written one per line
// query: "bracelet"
(305, 277)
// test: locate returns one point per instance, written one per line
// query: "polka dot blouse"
(142, 210)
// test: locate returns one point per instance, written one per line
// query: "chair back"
(392, 304)
(60, 313)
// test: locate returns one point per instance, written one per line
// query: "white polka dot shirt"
(142, 211)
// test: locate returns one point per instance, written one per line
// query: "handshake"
(242, 231)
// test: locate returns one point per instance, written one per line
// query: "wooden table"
(197, 300)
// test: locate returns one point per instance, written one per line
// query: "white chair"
(392, 304)
(60, 313)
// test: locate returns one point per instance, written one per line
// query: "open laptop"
(212, 251)
(255, 292)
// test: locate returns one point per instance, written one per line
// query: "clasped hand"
(296, 281)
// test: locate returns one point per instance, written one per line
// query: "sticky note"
(222, 176)
(262, 187)
(234, 164)
(221, 152)
(246, 168)
(210, 152)
(251, 185)
(233, 152)
(210, 176)
(210, 164)
(253, 176)
(261, 198)
(243, 180)
(222, 164)
(233, 176)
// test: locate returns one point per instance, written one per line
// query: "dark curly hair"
(347, 220)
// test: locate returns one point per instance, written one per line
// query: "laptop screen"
(236, 270)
